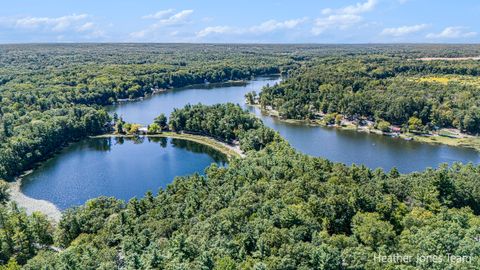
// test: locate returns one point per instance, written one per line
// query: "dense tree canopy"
(226, 122)
(278, 209)
(50, 94)
(274, 208)
(437, 93)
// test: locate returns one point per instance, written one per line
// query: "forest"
(431, 94)
(51, 95)
(225, 122)
(273, 209)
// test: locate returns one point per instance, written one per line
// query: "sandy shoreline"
(30, 204)
(50, 210)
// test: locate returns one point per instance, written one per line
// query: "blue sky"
(260, 21)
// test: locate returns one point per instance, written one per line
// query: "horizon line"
(235, 43)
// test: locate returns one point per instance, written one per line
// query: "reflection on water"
(119, 167)
(337, 145)
(144, 111)
(349, 147)
(160, 140)
(124, 167)
(194, 147)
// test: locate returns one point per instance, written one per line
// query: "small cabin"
(396, 129)
(143, 130)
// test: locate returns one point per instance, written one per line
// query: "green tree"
(154, 128)
(133, 129)
(384, 126)
(161, 121)
(338, 119)
(11, 265)
(119, 127)
(225, 263)
(471, 120)
(330, 118)
(415, 124)
(372, 231)
(7, 121)
(251, 97)
(4, 193)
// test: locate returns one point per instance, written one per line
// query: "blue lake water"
(97, 167)
(337, 145)
(123, 168)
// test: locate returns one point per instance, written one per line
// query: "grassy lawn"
(460, 142)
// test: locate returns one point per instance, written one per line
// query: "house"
(396, 129)
(143, 130)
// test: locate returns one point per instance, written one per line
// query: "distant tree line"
(51, 95)
(273, 209)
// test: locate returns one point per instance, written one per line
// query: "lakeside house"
(157, 90)
(396, 129)
(143, 130)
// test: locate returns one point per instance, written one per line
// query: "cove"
(374, 151)
(128, 168)
(118, 167)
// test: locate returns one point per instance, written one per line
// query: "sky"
(259, 21)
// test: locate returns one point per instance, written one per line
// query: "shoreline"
(224, 148)
(51, 211)
(468, 142)
(164, 90)
(30, 204)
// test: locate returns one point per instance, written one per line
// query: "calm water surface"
(144, 111)
(107, 167)
(116, 167)
(337, 145)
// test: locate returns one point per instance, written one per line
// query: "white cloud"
(342, 18)
(353, 9)
(162, 14)
(403, 30)
(177, 18)
(86, 27)
(452, 32)
(340, 21)
(214, 30)
(263, 28)
(273, 25)
(57, 24)
(63, 27)
(138, 34)
(165, 18)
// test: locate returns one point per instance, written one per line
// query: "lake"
(108, 167)
(337, 145)
(119, 167)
